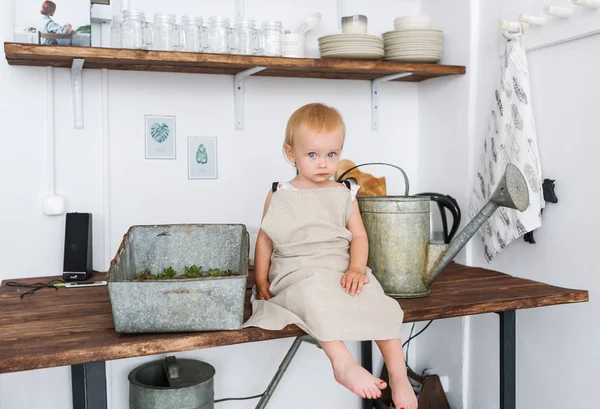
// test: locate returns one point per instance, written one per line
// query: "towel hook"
(511, 26)
(557, 11)
(536, 21)
(592, 4)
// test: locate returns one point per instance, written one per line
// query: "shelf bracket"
(77, 86)
(375, 96)
(238, 93)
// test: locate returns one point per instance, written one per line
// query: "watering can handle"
(171, 367)
(406, 184)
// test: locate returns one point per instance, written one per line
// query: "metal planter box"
(179, 304)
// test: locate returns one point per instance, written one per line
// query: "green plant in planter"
(192, 271)
(144, 275)
(169, 273)
(216, 272)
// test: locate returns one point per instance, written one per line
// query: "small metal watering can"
(398, 228)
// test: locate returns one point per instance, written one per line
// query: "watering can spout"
(511, 192)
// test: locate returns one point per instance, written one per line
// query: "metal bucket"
(172, 384)
(398, 233)
(398, 230)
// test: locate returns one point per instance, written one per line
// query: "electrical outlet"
(53, 205)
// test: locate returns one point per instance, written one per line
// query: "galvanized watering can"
(398, 228)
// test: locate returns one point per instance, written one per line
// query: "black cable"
(417, 334)
(407, 343)
(246, 398)
(32, 288)
(411, 337)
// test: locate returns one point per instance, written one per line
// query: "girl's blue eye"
(311, 155)
(331, 154)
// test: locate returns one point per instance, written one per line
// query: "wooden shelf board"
(228, 64)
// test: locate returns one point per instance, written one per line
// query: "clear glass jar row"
(130, 30)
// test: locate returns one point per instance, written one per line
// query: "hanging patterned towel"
(511, 138)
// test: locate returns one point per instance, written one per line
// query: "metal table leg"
(282, 368)
(89, 385)
(366, 360)
(508, 360)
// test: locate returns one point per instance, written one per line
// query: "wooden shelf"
(166, 61)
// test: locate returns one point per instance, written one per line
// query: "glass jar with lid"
(135, 32)
(219, 35)
(166, 34)
(246, 38)
(194, 34)
(272, 38)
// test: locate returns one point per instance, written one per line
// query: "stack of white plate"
(412, 23)
(351, 46)
(421, 45)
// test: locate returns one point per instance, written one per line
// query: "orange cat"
(369, 184)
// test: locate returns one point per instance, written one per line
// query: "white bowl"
(412, 26)
(412, 22)
(412, 19)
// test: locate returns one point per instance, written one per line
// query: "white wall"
(443, 167)
(146, 191)
(553, 341)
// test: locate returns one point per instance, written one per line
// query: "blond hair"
(316, 117)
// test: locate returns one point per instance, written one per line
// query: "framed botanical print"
(202, 158)
(160, 137)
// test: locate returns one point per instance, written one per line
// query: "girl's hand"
(263, 290)
(353, 281)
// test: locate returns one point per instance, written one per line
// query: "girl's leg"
(349, 373)
(402, 392)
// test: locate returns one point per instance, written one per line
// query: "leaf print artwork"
(519, 91)
(500, 240)
(514, 145)
(506, 88)
(505, 154)
(201, 155)
(520, 228)
(532, 179)
(472, 209)
(491, 173)
(159, 132)
(488, 228)
(517, 117)
(495, 120)
(481, 183)
(488, 254)
(499, 102)
(494, 151)
(504, 216)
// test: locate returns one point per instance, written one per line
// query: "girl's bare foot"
(356, 378)
(402, 392)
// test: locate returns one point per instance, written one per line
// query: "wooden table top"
(73, 326)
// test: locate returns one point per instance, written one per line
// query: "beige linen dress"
(311, 253)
